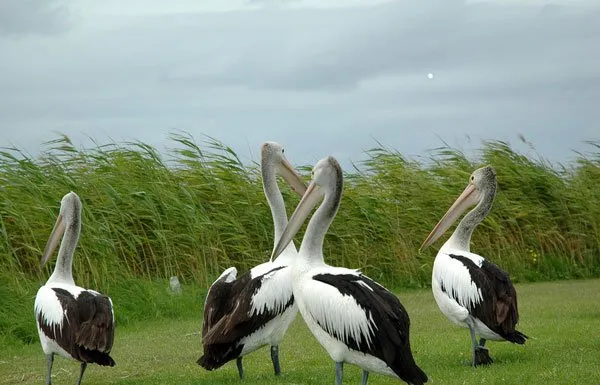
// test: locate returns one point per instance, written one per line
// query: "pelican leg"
(49, 362)
(482, 342)
(240, 367)
(82, 369)
(365, 377)
(275, 359)
(339, 372)
(481, 355)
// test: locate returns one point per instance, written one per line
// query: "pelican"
(244, 314)
(354, 318)
(72, 322)
(471, 291)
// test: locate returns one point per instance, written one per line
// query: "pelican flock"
(72, 322)
(472, 292)
(354, 318)
(244, 314)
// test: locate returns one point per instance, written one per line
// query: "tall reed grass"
(197, 209)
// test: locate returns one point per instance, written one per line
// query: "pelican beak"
(468, 198)
(309, 200)
(292, 178)
(55, 236)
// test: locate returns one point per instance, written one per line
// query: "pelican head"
(272, 153)
(482, 183)
(69, 216)
(327, 180)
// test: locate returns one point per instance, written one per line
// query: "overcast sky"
(320, 76)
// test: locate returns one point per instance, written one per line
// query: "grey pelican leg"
(481, 355)
(339, 372)
(240, 367)
(82, 369)
(365, 377)
(275, 359)
(49, 362)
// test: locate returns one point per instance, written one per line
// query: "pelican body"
(354, 318)
(72, 322)
(244, 314)
(472, 292)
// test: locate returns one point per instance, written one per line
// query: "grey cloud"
(318, 80)
(23, 17)
(272, 3)
(338, 49)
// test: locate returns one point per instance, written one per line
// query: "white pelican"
(353, 317)
(471, 291)
(72, 321)
(242, 315)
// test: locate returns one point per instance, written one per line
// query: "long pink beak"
(292, 178)
(309, 200)
(55, 236)
(467, 198)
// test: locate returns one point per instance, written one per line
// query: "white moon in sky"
(430, 76)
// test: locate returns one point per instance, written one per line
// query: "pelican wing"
(253, 302)
(371, 319)
(81, 323)
(217, 302)
(96, 331)
(497, 307)
(461, 279)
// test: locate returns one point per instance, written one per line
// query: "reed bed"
(196, 209)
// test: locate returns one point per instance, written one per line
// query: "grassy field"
(196, 209)
(562, 319)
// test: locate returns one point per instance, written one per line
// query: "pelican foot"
(481, 356)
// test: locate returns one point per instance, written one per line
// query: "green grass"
(197, 209)
(562, 319)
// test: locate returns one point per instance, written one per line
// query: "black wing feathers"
(236, 320)
(230, 319)
(390, 324)
(218, 301)
(498, 309)
(87, 332)
(95, 317)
